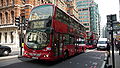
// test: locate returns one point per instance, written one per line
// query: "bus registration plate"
(34, 57)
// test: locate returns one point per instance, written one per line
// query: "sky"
(107, 7)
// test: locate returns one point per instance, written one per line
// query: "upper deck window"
(41, 12)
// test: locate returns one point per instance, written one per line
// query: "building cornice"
(7, 25)
(6, 7)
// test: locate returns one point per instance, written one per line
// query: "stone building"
(8, 31)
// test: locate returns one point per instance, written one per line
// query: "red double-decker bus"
(91, 40)
(51, 34)
(81, 42)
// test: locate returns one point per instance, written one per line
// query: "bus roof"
(41, 5)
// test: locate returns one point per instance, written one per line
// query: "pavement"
(117, 59)
(8, 57)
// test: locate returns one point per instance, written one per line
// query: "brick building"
(71, 8)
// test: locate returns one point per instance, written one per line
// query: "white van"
(102, 44)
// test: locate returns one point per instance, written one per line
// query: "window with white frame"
(12, 15)
(0, 18)
(5, 37)
(7, 2)
(6, 15)
(0, 37)
(11, 36)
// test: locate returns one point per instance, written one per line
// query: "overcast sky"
(107, 7)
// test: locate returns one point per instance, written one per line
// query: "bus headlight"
(46, 55)
(25, 53)
(48, 48)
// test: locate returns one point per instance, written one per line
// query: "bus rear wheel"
(66, 54)
(83, 50)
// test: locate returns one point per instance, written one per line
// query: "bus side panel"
(60, 27)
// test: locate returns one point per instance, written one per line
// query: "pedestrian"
(108, 48)
(118, 46)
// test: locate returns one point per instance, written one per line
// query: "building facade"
(94, 18)
(8, 31)
(89, 15)
(71, 8)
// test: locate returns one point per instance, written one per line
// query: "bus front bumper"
(45, 57)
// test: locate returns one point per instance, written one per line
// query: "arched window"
(11, 33)
(0, 18)
(5, 37)
(0, 37)
(12, 16)
(24, 0)
(12, 2)
(2, 2)
(7, 2)
(6, 19)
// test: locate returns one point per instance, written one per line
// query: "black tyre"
(66, 54)
(6, 53)
(83, 50)
(98, 49)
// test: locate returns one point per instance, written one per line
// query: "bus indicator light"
(48, 48)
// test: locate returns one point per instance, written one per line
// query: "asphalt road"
(84, 60)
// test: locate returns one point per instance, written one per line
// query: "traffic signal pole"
(112, 41)
(21, 40)
(20, 25)
(110, 20)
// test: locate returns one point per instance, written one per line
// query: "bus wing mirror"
(52, 31)
(50, 17)
(106, 41)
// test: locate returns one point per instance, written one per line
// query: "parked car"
(4, 50)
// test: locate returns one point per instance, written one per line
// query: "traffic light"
(111, 18)
(17, 19)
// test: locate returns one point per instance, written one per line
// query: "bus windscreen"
(39, 27)
(37, 39)
(41, 12)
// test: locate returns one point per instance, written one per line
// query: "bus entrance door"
(56, 44)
